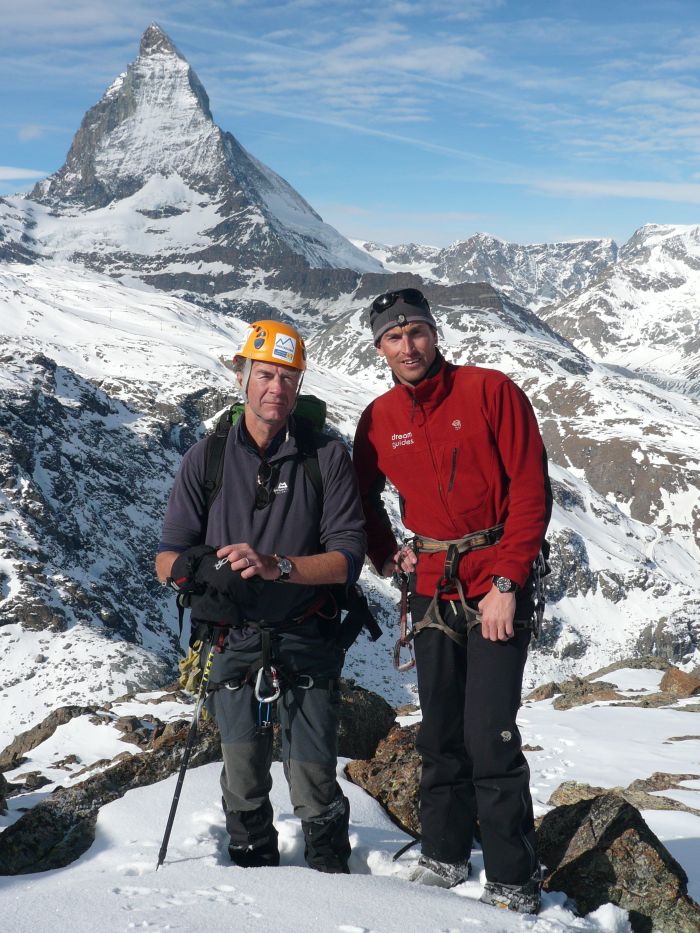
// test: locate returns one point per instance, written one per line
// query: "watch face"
(504, 584)
(285, 566)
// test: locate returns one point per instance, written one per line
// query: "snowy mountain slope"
(17, 243)
(634, 442)
(634, 307)
(153, 188)
(104, 386)
(627, 530)
(530, 275)
(603, 745)
(642, 314)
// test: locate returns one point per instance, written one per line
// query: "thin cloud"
(646, 190)
(29, 132)
(11, 173)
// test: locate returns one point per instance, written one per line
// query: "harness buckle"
(451, 562)
(304, 677)
(275, 686)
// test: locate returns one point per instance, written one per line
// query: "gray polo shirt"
(294, 522)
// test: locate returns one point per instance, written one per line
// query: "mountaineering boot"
(522, 898)
(253, 837)
(327, 846)
(261, 856)
(440, 874)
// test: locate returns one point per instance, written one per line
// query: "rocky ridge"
(530, 275)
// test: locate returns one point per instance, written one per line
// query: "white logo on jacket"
(402, 440)
(456, 424)
(280, 487)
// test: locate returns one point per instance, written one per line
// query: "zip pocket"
(454, 467)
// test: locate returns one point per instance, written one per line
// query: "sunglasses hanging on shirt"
(264, 485)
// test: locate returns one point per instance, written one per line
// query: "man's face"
(409, 351)
(272, 391)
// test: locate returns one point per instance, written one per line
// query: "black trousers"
(470, 746)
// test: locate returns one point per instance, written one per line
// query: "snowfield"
(197, 887)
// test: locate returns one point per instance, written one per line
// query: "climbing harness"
(450, 582)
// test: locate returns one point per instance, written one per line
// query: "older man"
(276, 540)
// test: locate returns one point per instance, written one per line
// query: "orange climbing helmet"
(274, 342)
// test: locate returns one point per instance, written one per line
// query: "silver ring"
(247, 562)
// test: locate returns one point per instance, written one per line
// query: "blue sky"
(401, 121)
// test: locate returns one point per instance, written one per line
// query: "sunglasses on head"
(264, 485)
(411, 296)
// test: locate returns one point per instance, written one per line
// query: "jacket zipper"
(441, 488)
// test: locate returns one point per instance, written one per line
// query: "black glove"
(209, 587)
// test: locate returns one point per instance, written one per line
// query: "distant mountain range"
(125, 282)
(532, 276)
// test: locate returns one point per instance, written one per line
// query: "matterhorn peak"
(150, 150)
(155, 39)
(154, 120)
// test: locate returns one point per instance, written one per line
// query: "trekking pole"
(201, 696)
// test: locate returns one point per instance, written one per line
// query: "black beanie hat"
(394, 309)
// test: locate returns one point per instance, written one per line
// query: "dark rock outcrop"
(60, 828)
(392, 777)
(640, 794)
(601, 850)
(12, 755)
(365, 720)
(575, 692)
(4, 790)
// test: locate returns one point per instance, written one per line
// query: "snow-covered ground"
(198, 889)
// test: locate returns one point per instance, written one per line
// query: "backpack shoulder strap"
(306, 441)
(214, 457)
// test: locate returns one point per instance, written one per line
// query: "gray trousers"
(308, 730)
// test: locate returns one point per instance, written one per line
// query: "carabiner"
(275, 686)
(406, 665)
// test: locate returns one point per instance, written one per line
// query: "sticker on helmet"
(284, 348)
(259, 342)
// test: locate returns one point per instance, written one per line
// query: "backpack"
(310, 415)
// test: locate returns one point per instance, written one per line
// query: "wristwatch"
(504, 585)
(285, 566)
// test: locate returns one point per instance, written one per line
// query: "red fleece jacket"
(464, 451)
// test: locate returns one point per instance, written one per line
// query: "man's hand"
(250, 563)
(497, 612)
(404, 561)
